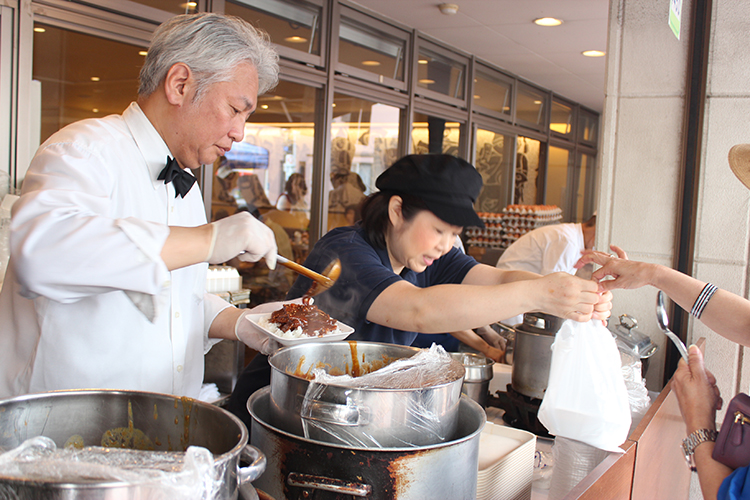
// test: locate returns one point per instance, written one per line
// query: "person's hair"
(212, 45)
(374, 211)
(295, 178)
(591, 222)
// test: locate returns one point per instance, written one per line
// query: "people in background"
(549, 249)
(109, 240)
(401, 274)
(293, 197)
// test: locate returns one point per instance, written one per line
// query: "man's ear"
(177, 84)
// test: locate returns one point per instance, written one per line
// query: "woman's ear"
(177, 83)
(395, 213)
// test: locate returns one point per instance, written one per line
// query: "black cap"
(446, 184)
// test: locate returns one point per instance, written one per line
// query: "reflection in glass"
(587, 125)
(562, 116)
(529, 106)
(371, 50)
(364, 144)
(557, 180)
(268, 174)
(585, 185)
(175, 7)
(494, 155)
(82, 76)
(293, 24)
(527, 171)
(440, 74)
(492, 93)
(432, 134)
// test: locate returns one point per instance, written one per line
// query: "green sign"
(675, 13)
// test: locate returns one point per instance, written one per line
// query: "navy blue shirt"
(365, 272)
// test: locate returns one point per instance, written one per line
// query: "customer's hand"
(243, 236)
(696, 391)
(616, 271)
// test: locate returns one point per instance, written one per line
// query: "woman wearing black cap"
(401, 275)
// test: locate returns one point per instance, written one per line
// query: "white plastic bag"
(586, 398)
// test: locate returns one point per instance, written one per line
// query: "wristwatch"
(690, 443)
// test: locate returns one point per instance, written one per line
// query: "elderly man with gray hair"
(109, 240)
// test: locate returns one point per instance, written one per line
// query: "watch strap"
(690, 443)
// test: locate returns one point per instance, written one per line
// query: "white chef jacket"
(87, 301)
(545, 250)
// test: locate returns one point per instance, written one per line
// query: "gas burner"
(520, 411)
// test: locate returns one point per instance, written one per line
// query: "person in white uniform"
(110, 248)
(549, 249)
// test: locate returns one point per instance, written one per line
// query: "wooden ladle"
(321, 282)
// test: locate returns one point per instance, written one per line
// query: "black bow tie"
(182, 180)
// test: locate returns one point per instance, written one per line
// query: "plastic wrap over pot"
(410, 402)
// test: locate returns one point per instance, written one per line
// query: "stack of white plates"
(506, 463)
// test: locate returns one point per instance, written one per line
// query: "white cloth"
(545, 250)
(88, 302)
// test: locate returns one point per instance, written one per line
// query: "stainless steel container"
(532, 353)
(304, 468)
(346, 415)
(477, 376)
(162, 422)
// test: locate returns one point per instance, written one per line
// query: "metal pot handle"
(257, 461)
(332, 413)
(308, 481)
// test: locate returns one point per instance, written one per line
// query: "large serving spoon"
(321, 281)
(663, 320)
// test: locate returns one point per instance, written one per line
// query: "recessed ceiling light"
(477, 96)
(142, 53)
(94, 78)
(188, 5)
(370, 63)
(95, 110)
(295, 39)
(547, 21)
(264, 106)
(333, 105)
(426, 81)
(39, 30)
(593, 53)
(423, 61)
(448, 8)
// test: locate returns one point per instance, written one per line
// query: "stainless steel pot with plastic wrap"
(417, 414)
(300, 468)
(126, 419)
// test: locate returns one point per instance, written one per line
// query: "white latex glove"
(491, 337)
(243, 236)
(252, 337)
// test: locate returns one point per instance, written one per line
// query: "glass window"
(364, 143)
(561, 118)
(438, 73)
(584, 201)
(82, 76)
(530, 105)
(292, 24)
(528, 154)
(369, 50)
(269, 174)
(492, 93)
(494, 160)
(587, 127)
(558, 185)
(181, 7)
(432, 134)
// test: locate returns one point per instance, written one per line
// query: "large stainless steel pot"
(162, 423)
(532, 353)
(345, 415)
(301, 468)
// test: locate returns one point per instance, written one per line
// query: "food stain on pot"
(74, 441)
(358, 367)
(156, 412)
(127, 437)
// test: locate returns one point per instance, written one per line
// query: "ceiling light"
(39, 30)
(264, 106)
(94, 78)
(95, 110)
(370, 63)
(188, 5)
(593, 53)
(295, 39)
(142, 53)
(423, 61)
(477, 96)
(547, 21)
(448, 8)
(426, 81)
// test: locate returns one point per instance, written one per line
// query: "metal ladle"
(663, 320)
(322, 281)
